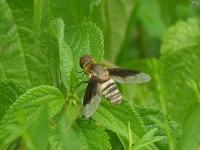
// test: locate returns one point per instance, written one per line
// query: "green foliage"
(119, 115)
(38, 128)
(185, 59)
(153, 119)
(41, 42)
(149, 15)
(147, 139)
(88, 131)
(9, 92)
(24, 110)
(113, 18)
(64, 138)
(190, 138)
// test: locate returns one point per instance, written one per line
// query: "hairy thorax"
(100, 72)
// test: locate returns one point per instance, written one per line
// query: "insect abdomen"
(111, 92)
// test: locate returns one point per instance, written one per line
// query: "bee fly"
(102, 83)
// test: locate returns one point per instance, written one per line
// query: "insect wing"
(128, 76)
(92, 98)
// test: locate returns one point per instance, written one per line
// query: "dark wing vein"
(128, 76)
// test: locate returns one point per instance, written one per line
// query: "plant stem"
(130, 137)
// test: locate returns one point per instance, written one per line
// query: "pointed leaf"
(9, 92)
(26, 108)
(147, 139)
(116, 118)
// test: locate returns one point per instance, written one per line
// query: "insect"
(102, 83)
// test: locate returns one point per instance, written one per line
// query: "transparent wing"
(128, 76)
(92, 98)
(90, 108)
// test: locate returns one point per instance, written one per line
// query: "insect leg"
(82, 75)
(80, 84)
(82, 72)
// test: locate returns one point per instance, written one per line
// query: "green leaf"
(113, 17)
(39, 57)
(84, 135)
(38, 128)
(9, 92)
(178, 65)
(92, 136)
(79, 40)
(22, 57)
(73, 12)
(84, 39)
(26, 108)
(73, 110)
(55, 142)
(12, 58)
(180, 36)
(63, 137)
(56, 29)
(191, 133)
(154, 119)
(116, 118)
(147, 139)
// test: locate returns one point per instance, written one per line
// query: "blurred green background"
(135, 29)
